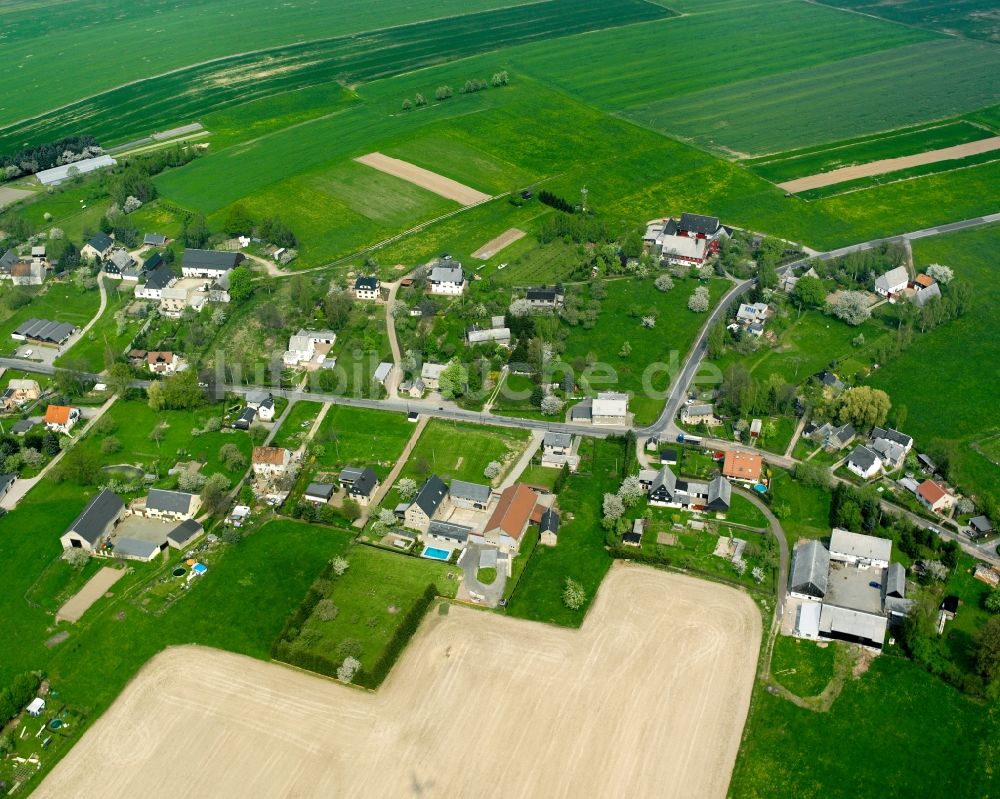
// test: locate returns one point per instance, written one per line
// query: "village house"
(863, 462)
(830, 383)
(174, 299)
(360, 483)
(690, 240)
(98, 248)
(7, 261)
(610, 407)
(162, 277)
(176, 505)
(742, 466)
(20, 392)
(164, 363)
(892, 282)
(980, 526)
(924, 296)
(245, 419)
(509, 519)
(935, 497)
(61, 418)
(666, 490)
(478, 335)
(545, 299)
(699, 413)
(447, 277)
(748, 314)
(548, 528)
(430, 374)
(471, 496)
(154, 240)
(557, 450)
(302, 347)
(863, 551)
(431, 502)
(368, 288)
(262, 402)
(905, 441)
(209, 263)
(831, 437)
(118, 263)
(95, 522)
(271, 461)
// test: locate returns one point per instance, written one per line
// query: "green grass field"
(742, 511)
(814, 160)
(803, 667)
(361, 437)
(297, 424)
(460, 451)
(106, 340)
(939, 739)
(580, 554)
(58, 301)
(973, 18)
(950, 403)
(809, 505)
(372, 597)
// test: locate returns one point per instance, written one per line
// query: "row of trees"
(38, 157)
(445, 92)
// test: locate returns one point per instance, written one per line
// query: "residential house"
(980, 526)
(176, 505)
(61, 418)
(447, 277)
(261, 401)
(43, 331)
(699, 413)
(163, 363)
(270, 461)
(810, 571)
(471, 496)
(160, 278)
(20, 392)
(832, 437)
(302, 346)
(892, 282)
(363, 487)
(545, 299)
(318, 493)
(669, 491)
(382, 372)
(750, 313)
(921, 298)
(610, 407)
(154, 240)
(935, 497)
(742, 466)
(431, 502)
(863, 551)
(7, 261)
(430, 374)
(368, 288)
(174, 299)
(95, 522)
(119, 262)
(891, 453)
(863, 462)
(509, 519)
(98, 248)
(905, 441)
(245, 419)
(548, 528)
(689, 240)
(830, 382)
(209, 263)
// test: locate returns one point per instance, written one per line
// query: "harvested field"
(576, 714)
(424, 178)
(95, 588)
(886, 165)
(505, 239)
(9, 196)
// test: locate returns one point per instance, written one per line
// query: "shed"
(36, 707)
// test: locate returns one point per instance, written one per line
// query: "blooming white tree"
(347, 669)
(406, 488)
(340, 565)
(551, 405)
(758, 574)
(942, 274)
(649, 321)
(664, 283)
(492, 470)
(698, 301)
(573, 595)
(631, 491)
(851, 307)
(740, 566)
(131, 204)
(613, 507)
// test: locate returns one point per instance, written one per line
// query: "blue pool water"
(760, 488)
(436, 554)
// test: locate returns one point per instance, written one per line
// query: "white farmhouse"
(447, 277)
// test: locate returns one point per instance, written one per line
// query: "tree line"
(39, 157)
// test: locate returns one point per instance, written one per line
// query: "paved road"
(779, 535)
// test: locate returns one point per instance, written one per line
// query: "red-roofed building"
(742, 466)
(935, 497)
(61, 418)
(509, 519)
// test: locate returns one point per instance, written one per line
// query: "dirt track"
(445, 187)
(95, 588)
(648, 699)
(494, 246)
(846, 173)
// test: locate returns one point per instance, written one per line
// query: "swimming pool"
(436, 554)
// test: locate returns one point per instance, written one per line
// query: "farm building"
(854, 626)
(28, 273)
(477, 335)
(209, 263)
(154, 240)
(548, 528)
(509, 519)
(304, 346)
(367, 288)
(177, 505)
(184, 533)
(382, 372)
(447, 532)
(471, 496)
(118, 263)
(863, 551)
(610, 407)
(57, 174)
(810, 570)
(689, 240)
(96, 521)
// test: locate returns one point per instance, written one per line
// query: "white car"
(27, 353)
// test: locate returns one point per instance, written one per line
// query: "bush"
(16, 695)
(77, 558)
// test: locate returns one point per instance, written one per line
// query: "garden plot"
(505, 239)
(682, 693)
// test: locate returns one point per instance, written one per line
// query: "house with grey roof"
(891, 453)
(138, 548)
(382, 372)
(895, 581)
(669, 491)
(857, 549)
(853, 626)
(367, 287)
(471, 496)
(319, 493)
(162, 277)
(980, 526)
(119, 262)
(7, 261)
(544, 298)
(97, 521)
(447, 277)
(431, 502)
(178, 505)
(932, 292)
(447, 532)
(810, 571)
(548, 527)
(154, 240)
(863, 462)
(184, 533)
(98, 248)
(363, 487)
(699, 413)
(892, 282)
(209, 263)
(888, 433)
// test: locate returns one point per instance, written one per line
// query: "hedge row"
(294, 623)
(16, 695)
(407, 627)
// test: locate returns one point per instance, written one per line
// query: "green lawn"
(459, 451)
(803, 667)
(55, 300)
(941, 741)
(742, 511)
(361, 437)
(107, 339)
(948, 405)
(372, 597)
(544, 476)
(809, 507)
(580, 553)
(297, 424)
